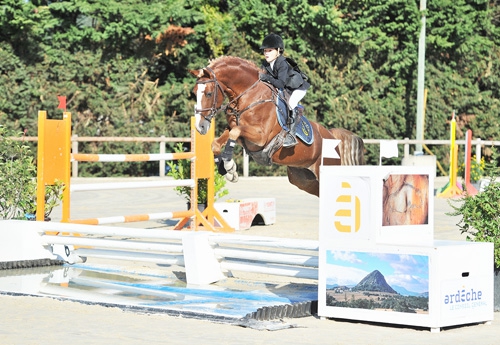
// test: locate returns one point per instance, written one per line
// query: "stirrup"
(299, 110)
(290, 140)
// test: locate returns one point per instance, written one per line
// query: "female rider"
(278, 72)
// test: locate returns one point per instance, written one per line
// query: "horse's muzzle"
(201, 123)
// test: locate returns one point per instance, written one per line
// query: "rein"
(228, 109)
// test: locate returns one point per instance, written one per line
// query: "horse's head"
(226, 76)
(209, 98)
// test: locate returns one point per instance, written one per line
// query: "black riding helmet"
(272, 41)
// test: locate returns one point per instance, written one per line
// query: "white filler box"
(447, 284)
(241, 214)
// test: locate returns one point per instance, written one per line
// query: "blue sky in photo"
(405, 270)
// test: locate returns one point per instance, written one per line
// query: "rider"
(278, 71)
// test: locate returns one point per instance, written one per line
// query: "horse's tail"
(351, 147)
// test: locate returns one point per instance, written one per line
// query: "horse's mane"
(232, 61)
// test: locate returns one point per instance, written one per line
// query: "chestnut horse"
(251, 114)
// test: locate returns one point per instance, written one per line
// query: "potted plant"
(181, 169)
(476, 171)
(18, 180)
(53, 198)
(481, 219)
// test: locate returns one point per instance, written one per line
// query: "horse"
(252, 121)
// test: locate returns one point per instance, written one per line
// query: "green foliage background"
(123, 65)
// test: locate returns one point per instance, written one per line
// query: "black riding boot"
(290, 139)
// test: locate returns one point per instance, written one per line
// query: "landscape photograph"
(377, 281)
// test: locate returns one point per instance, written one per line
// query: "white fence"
(162, 141)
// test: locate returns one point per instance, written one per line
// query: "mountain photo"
(378, 281)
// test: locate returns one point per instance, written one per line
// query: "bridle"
(228, 107)
(213, 109)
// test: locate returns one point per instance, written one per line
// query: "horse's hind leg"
(304, 179)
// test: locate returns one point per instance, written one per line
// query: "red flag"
(62, 102)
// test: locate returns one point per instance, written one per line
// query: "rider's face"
(271, 54)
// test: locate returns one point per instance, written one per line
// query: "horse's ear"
(197, 73)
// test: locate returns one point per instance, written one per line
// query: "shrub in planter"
(476, 169)
(53, 197)
(481, 221)
(481, 216)
(181, 169)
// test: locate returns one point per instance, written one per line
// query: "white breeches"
(295, 98)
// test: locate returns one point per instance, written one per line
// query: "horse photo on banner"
(405, 200)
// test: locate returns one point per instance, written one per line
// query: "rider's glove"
(264, 77)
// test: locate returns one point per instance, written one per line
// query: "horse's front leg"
(227, 155)
(219, 142)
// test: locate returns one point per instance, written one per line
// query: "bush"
(181, 170)
(17, 177)
(18, 180)
(481, 214)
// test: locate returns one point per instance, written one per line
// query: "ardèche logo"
(348, 217)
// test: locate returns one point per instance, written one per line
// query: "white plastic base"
(202, 268)
(20, 240)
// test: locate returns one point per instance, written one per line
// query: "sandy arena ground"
(37, 320)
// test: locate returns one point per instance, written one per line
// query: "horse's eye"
(209, 94)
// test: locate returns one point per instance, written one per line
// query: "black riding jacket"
(278, 75)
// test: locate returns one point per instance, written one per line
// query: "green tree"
(123, 64)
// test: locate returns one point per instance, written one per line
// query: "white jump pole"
(131, 185)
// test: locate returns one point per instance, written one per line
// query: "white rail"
(264, 255)
(131, 185)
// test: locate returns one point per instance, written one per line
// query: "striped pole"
(134, 218)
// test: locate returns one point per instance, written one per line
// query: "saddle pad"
(303, 129)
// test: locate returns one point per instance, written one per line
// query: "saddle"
(303, 132)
